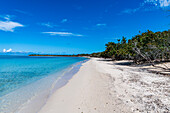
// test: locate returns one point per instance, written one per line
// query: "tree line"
(144, 47)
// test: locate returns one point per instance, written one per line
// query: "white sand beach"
(110, 87)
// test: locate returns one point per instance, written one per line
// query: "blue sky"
(76, 26)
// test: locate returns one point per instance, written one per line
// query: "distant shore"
(79, 55)
(103, 86)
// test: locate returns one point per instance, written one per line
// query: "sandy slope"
(87, 92)
(108, 87)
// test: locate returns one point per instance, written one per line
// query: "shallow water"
(24, 78)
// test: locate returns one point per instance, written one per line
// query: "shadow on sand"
(124, 63)
(145, 66)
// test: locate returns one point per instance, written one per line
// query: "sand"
(109, 87)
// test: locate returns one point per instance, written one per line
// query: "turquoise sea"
(24, 79)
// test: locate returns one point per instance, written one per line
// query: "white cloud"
(160, 3)
(154, 3)
(100, 24)
(64, 20)
(164, 3)
(7, 50)
(62, 34)
(6, 17)
(4, 50)
(50, 25)
(9, 25)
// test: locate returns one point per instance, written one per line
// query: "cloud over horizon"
(7, 50)
(63, 34)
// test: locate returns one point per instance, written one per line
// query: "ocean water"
(23, 79)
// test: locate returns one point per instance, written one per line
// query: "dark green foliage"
(95, 54)
(148, 46)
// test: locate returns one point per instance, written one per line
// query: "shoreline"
(65, 76)
(102, 86)
(32, 97)
(85, 92)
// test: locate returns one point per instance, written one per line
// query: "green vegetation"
(148, 46)
(145, 47)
